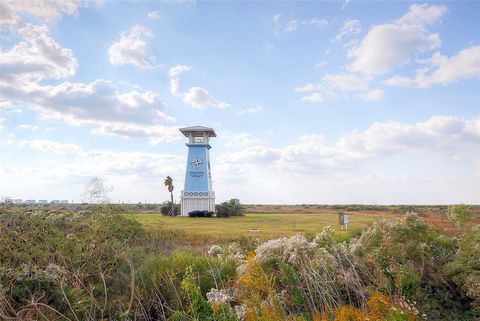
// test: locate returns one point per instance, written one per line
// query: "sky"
(313, 102)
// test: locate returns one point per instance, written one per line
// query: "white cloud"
(277, 24)
(36, 57)
(315, 98)
(372, 95)
(294, 24)
(320, 64)
(100, 162)
(251, 110)
(100, 104)
(445, 137)
(177, 70)
(251, 155)
(346, 82)
(48, 146)
(174, 74)
(7, 15)
(315, 22)
(44, 9)
(345, 4)
(232, 139)
(400, 81)
(350, 27)
(389, 45)
(423, 14)
(439, 134)
(440, 69)
(333, 84)
(196, 97)
(153, 15)
(132, 49)
(199, 97)
(31, 127)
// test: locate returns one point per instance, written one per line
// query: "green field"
(263, 226)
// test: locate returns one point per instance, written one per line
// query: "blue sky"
(313, 102)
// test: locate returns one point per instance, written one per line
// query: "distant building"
(42, 202)
(55, 202)
(64, 202)
(30, 202)
(17, 201)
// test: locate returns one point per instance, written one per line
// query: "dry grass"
(262, 225)
(272, 221)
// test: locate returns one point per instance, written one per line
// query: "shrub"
(379, 307)
(64, 258)
(408, 258)
(230, 208)
(200, 214)
(465, 269)
(459, 215)
(167, 206)
(163, 276)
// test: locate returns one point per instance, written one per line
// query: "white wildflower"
(297, 247)
(54, 272)
(215, 250)
(325, 237)
(270, 250)
(235, 252)
(220, 296)
(241, 311)
(234, 248)
(241, 269)
(284, 249)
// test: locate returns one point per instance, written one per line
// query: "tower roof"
(198, 131)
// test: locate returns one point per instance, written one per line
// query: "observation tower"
(197, 194)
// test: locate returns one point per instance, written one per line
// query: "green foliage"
(459, 215)
(230, 208)
(197, 306)
(200, 214)
(409, 258)
(90, 266)
(167, 206)
(101, 265)
(465, 269)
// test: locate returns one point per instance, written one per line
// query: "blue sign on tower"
(197, 194)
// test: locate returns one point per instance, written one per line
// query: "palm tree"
(236, 209)
(169, 183)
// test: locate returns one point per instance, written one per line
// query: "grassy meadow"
(265, 222)
(262, 225)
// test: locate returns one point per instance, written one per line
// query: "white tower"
(197, 194)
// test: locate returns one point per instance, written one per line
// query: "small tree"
(166, 208)
(169, 183)
(96, 191)
(230, 208)
(459, 215)
(236, 209)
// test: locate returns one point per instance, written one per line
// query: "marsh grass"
(263, 226)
